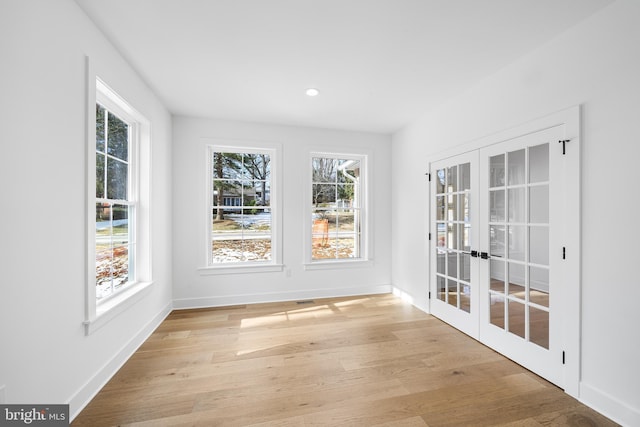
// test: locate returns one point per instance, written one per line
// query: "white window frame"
(98, 313)
(274, 150)
(366, 240)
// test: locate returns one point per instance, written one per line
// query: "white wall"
(595, 64)
(45, 356)
(192, 289)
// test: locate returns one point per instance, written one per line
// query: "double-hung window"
(337, 211)
(119, 264)
(243, 214)
(115, 201)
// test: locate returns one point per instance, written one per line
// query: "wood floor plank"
(356, 361)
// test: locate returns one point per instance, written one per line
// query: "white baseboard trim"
(609, 406)
(87, 392)
(228, 300)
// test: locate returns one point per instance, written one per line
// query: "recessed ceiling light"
(312, 91)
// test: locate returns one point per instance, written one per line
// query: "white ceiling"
(377, 63)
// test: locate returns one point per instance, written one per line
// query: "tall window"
(241, 208)
(337, 207)
(115, 202)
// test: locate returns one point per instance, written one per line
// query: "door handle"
(474, 254)
(484, 255)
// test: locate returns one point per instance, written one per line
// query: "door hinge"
(564, 148)
(429, 236)
(563, 358)
(564, 252)
(429, 294)
(428, 176)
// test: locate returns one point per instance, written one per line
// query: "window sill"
(241, 269)
(338, 264)
(111, 308)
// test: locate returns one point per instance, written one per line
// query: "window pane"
(346, 195)
(465, 267)
(465, 207)
(440, 208)
(120, 225)
(100, 176)
(319, 231)
(103, 271)
(539, 163)
(100, 115)
(452, 264)
(517, 280)
(256, 166)
(442, 288)
(465, 297)
(465, 236)
(497, 240)
(226, 250)
(465, 176)
(440, 181)
(112, 248)
(516, 318)
(240, 250)
(441, 256)
(497, 276)
(117, 179)
(539, 327)
(255, 221)
(517, 245)
(452, 179)
(324, 195)
(452, 207)
(517, 205)
(539, 204)
(539, 245)
(117, 137)
(452, 236)
(496, 171)
(497, 310)
(496, 206)
(452, 286)
(324, 170)
(348, 171)
(120, 268)
(349, 221)
(539, 286)
(516, 167)
(332, 218)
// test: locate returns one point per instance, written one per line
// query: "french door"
(497, 219)
(454, 232)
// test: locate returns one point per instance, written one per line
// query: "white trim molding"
(229, 300)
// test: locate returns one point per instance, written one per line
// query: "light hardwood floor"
(358, 361)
